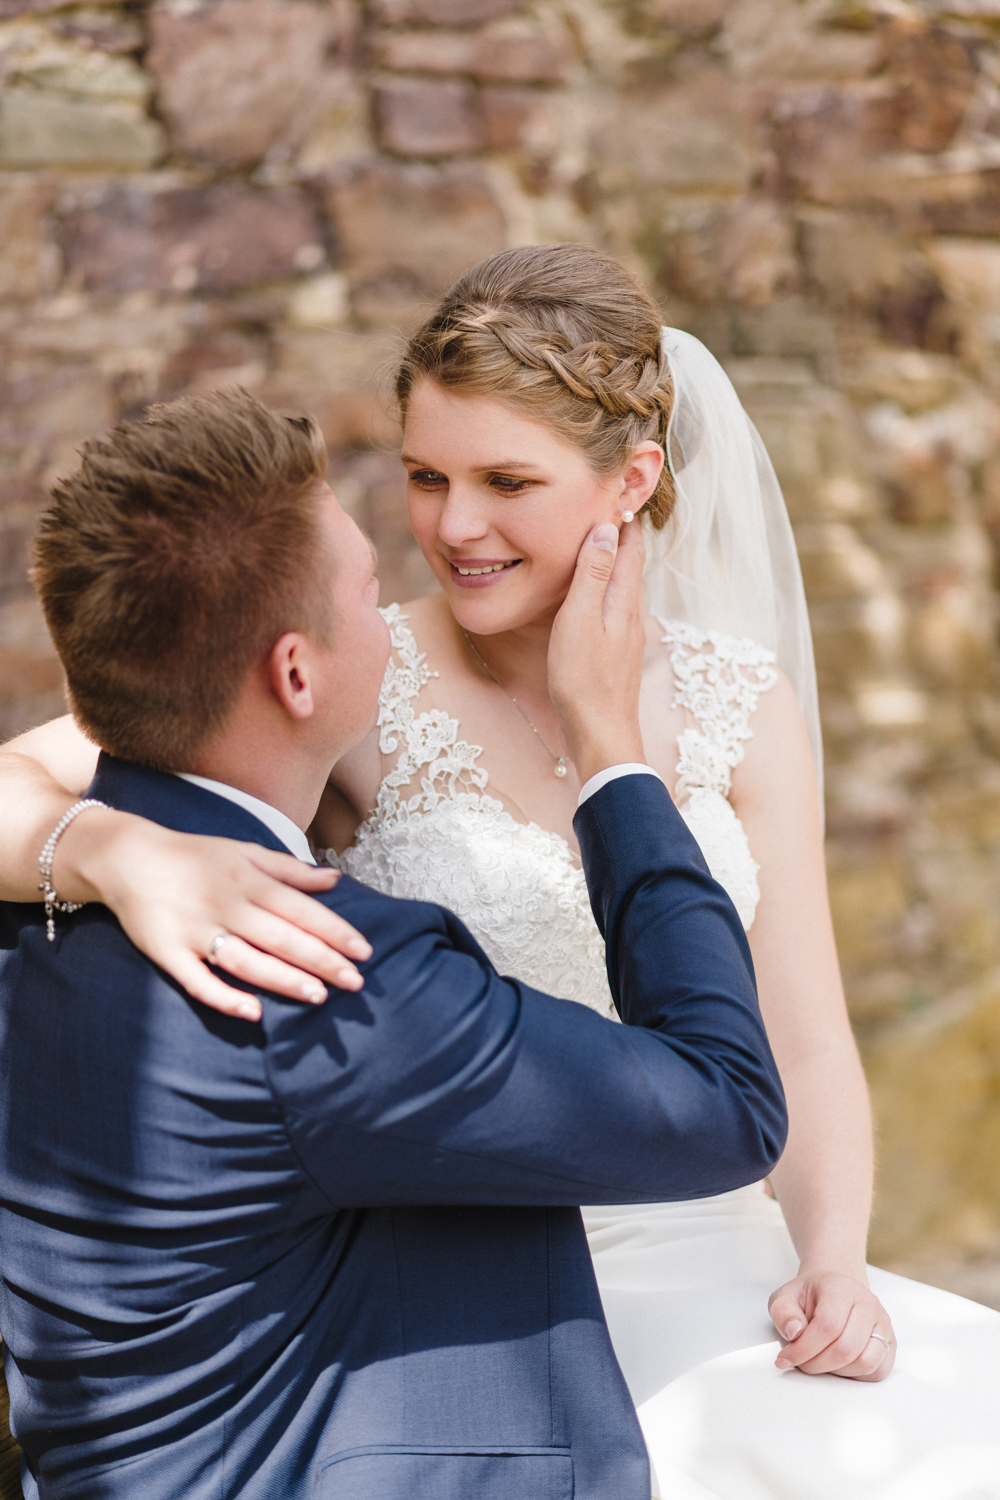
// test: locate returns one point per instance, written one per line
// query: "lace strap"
(719, 680)
(429, 754)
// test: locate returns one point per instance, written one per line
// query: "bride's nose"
(463, 517)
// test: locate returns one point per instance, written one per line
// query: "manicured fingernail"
(314, 993)
(249, 1011)
(606, 537)
(782, 1364)
(793, 1329)
(350, 979)
(358, 948)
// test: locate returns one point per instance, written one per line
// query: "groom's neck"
(266, 760)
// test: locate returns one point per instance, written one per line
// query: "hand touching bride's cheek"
(500, 505)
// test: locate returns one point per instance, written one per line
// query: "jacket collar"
(177, 804)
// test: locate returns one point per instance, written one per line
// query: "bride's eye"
(505, 484)
(428, 479)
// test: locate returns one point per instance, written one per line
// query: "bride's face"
(491, 490)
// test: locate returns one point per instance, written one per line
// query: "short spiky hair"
(174, 557)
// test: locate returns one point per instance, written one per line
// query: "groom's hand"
(596, 652)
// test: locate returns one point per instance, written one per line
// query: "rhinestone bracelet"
(48, 854)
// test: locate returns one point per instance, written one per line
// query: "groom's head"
(197, 557)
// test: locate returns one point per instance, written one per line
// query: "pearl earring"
(628, 515)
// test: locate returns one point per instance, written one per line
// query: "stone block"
(441, 12)
(969, 271)
(688, 18)
(680, 134)
(422, 223)
(835, 561)
(30, 674)
(10, 9)
(512, 117)
(48, 406)
(239, 78)
(935, 1090)
(935, 73)
(770, 39)
(517, 52)
(212, 239)
(320, 302)
(20, 503)
(29, 259)
(40, 129)
(854, 261)
(514, 52)
(908, 377)
(210, 358)
(427, 51)
(743, 253)
(343, 378)
(420, 118)
(107, 31)
(391, 302)
(342, 129)
(869, 902)
(827, 138)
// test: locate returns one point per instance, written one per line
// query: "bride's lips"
(479, 572)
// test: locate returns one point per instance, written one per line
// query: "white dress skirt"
(685, 1286)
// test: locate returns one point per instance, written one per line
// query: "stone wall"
(272, 191)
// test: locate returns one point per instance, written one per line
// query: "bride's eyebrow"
(521, 464)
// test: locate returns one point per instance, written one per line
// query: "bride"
(540, 398)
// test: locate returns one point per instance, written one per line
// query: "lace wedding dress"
(685, 1285)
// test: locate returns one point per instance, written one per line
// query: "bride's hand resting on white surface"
(829, 1320)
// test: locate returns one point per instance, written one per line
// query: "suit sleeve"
(441, 1082)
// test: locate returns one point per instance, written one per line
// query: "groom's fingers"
(624, 586)
(594, 566)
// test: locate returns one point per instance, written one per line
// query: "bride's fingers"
(201, 984)
(828, 1321)
(875, 1361)
(788, 1313)
(308, 931)
(292, 871)
(265, 972)
(308, 959)
(848, 1346)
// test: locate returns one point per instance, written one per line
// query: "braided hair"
(563, 334)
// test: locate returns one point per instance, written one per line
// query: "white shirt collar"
(280, 824)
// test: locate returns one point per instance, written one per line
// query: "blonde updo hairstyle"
(561, 334)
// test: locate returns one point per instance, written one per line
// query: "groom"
(335, 1253)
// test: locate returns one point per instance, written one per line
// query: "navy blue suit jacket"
(338, 1253)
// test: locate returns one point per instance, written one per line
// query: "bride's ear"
(640, 476)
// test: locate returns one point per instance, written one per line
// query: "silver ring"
(881, 1338)
(217, 942)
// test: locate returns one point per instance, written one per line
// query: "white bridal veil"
(726, 560)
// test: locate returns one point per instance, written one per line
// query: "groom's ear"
(289, 677)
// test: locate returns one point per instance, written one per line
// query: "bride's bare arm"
(173, 893)
(824, 1178)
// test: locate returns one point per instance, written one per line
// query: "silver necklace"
(560, 760)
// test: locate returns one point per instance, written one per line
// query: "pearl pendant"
(560, 767)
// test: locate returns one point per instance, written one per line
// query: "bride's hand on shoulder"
(829, 1320)
(176, 894)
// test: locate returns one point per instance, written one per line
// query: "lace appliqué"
(719, 681)
(513, 884)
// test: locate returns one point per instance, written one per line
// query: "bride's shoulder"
(712, 648)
